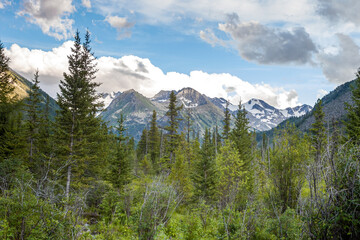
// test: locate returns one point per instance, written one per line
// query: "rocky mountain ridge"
(204, 112)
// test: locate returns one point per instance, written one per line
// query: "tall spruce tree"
(33, 121)
(142, 147)
(8, 107)
(120, 166)
(353, 116)
(173, 124)
(154, 141)
(227, 117)
(204, 176)
(240, 135)
(76, 119)
(318, 131)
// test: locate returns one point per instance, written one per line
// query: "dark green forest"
(73, 177)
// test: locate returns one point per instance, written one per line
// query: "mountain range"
(204, 112)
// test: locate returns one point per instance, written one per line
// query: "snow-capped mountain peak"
(107, 98)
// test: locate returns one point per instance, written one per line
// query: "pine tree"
(76, 119)
(232, 175)
(120, 166)
(205, 176)
(142, 147)
(154, 141)
(318, 131)
(45, 130)
(8, 107)
(353, 116)
(216, 139)
(188, 126)
(172, 114)
(33, 111)
(288, 160)
(240, 135)
(227, 117)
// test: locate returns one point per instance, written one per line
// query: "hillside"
(22, 88)
(333, 106)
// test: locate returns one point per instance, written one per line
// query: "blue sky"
(284, 52)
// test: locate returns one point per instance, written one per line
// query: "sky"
(285, 52)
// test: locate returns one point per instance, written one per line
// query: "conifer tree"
(172, 114)
(204, 176)
(216, 140)
(142, 147)
(154, 141)
(8, 107)
(76, 119)
(188, 126)
(45, 130)
(227, 117)
(231, 173)
(318, 131)
(240, 135)
(121, 167)
(33, 121)
(353, 113)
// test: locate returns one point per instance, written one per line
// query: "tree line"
(74, 177)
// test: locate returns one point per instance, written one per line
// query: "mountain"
(333, 106)
(204, 112)
(22, 88)
(107, 98)
(136, 109)
(263, 116)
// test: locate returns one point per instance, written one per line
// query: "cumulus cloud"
(340, 11)
(121, 74)
(51, 64)
(258, 43)
(4, 3)
(122, 25)
(321, 93)
(340, 66)
(86, 3)
(50, 15)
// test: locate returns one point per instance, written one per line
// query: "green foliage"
(173, 125)
(240, 135)
(318, 132)
(288, 158)
(78, 130)
(143, 144)
(227, 117)
(10, 141)
(180, 174)
(205, 172)
(120, 165)
(353, 122)
(232, 173)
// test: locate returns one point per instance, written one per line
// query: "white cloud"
(340, 65)
(4, 3)
(51, 16)
(120, 74)
(121, 24)
(86, 3)
(51, 64)
(321, 93)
